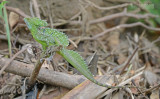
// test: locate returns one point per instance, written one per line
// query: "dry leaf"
(54, 93)
(13, 19)
(150, 77)
(155, 94)
(89, 90)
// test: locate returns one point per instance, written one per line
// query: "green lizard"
(51, 37)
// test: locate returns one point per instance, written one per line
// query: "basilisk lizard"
(48, 37)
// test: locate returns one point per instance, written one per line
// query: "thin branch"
(150, 89)
(36, 8)
(31, 9)
(108, 8)
(122, 83)
(50, 14)
(125, 26)
(78, 14)
(18, 11)
(72, 42)
(122, 14)
(128, 61)
(132, 2)
(150, 45)
(20, 40)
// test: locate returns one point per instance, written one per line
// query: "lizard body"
(50, 37)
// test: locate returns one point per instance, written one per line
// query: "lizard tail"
(106, 85)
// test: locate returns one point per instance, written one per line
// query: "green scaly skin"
(50, 37)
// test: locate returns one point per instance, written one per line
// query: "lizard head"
(35, 22)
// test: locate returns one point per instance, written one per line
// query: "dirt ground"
(120, 46)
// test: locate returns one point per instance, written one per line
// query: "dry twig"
(21, 13)
(122, 14)
(36, 8)
(125, 26)
(20, 40)
(50, 14)
(129, 59)
(108, 8)
(46, 76)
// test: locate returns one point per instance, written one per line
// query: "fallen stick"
(46, 76)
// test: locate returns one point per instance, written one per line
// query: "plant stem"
(7, 31)
(38, 65)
